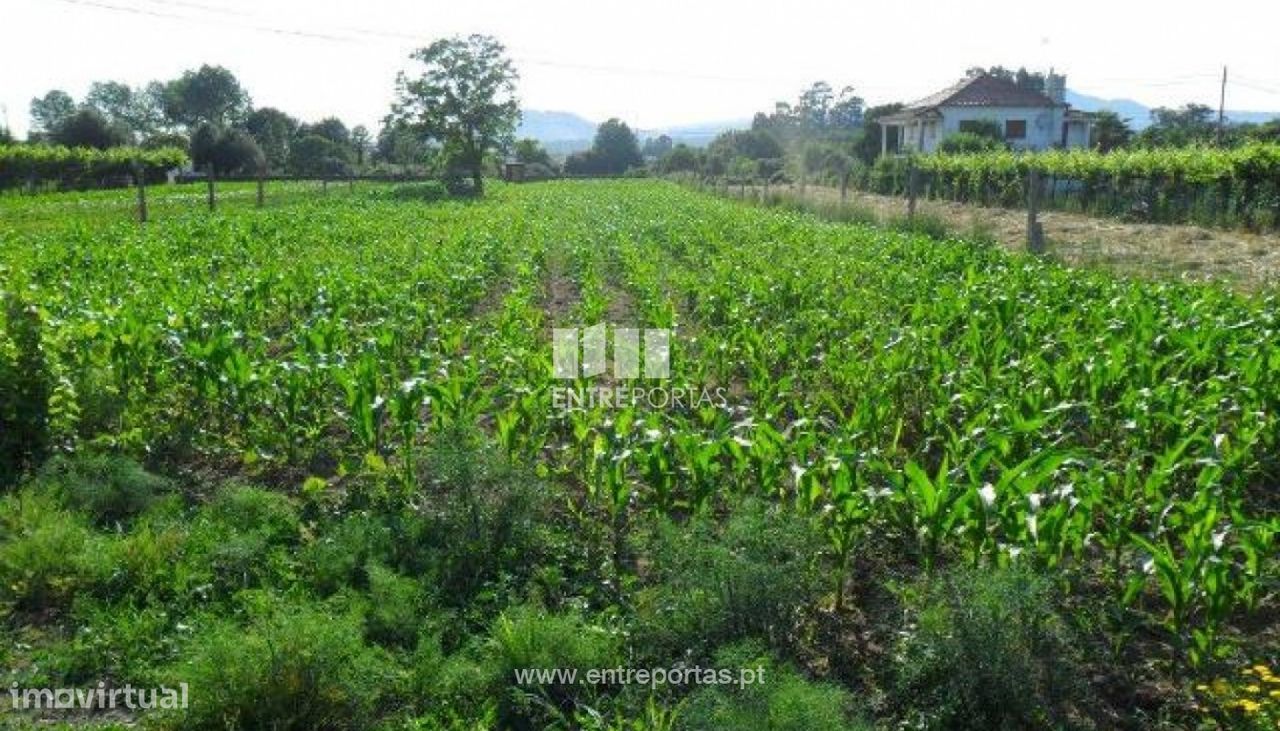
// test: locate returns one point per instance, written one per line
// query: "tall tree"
(50, 111)
(272, 129)
(209, 95)
(1189, 125)
(464, 99)
(655, 147)
(615, 148)
(89, 128)
(868, 145)
(330, 128)
(360, 142)
(400, 145)
(1110, 131)
(1029, 80)
(530, 151)
(138, 111)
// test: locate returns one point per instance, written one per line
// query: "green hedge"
(1174, 185)
(80, 166)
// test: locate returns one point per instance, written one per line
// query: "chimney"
(1055, 87)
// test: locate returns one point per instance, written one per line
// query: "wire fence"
(1245, 203)
(147, 202)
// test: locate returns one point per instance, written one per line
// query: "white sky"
(654, 64)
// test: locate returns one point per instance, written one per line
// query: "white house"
(1029, 120)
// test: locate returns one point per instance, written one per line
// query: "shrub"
(985, 651)
(482, 522)
(778, 699)
(111, 489)
(528, 638)
(42, 548)
(252, 510)
(715, 584)
(294, 667)
(337, 558)
(242, 540)
(122, 642)
(429, 191)
(396, 604)
(26, 383)
(922, 223)
(963, 142)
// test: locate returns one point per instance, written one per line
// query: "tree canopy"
(209, 95)
(464, 99)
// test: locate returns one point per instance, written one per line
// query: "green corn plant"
(931, 506)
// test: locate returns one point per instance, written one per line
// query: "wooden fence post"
(140, 179)
(911, 190)
(262, 184)
(324, 186)
(1035, 233)
(213, 203)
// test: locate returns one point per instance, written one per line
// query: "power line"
(526, 58)
(187, 18)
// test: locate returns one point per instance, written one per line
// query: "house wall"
(1078, 134)
(1044, 127)
(1044, 124)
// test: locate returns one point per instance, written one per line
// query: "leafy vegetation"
(32, 164)
(1234, 186)
(306, 459)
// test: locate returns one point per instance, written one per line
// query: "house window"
(973, 126)
(1015, 129)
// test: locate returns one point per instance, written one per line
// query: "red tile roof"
(983, 90)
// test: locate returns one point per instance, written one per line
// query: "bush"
(716, 584)
(118, 641)
(109, 488)
(395, 607)
(242, 540)
(26, 383)
(962, 142)
(429, 191)
(482, 523)
(294, 667)
(985, 651)
(779, 699)
(247, 509)
(528, 638)
(42, 549)
(339, 556)
(923, 223)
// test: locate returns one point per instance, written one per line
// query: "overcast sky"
(653, 64)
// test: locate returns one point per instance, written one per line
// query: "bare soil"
(1249, 261)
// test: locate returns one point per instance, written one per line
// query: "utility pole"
(1222, 105)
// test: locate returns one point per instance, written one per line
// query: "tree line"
(455, 113)
(829, 135)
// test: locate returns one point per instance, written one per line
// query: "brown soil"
(561, 295)
(1248, 260)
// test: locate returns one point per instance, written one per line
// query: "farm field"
(313, 461)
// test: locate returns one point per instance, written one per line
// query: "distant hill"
(696, 135)
(551, 126)
(1139, 115)
(563, 133)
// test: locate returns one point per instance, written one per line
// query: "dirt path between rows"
(1248, 260)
